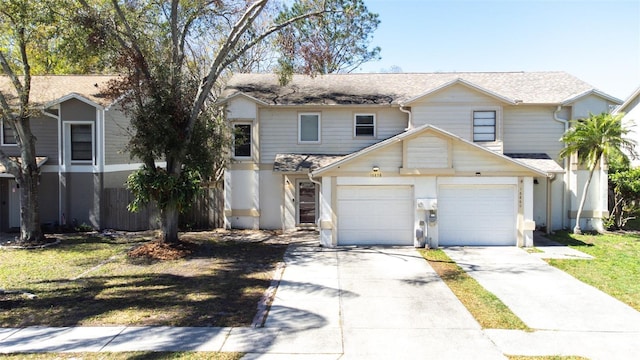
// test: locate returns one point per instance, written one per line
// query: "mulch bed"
(158, 250)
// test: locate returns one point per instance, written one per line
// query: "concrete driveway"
(569, 316)
(365, 303)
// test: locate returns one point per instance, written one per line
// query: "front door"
(307, 203)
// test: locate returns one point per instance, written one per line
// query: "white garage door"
(477, 215)
(375, 215)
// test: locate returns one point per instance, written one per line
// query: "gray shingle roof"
(46, 89)
(303, 162)
(537, 160)
(399, 88)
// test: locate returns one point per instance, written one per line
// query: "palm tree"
(592, 138)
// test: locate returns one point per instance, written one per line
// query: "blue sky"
(597, 41)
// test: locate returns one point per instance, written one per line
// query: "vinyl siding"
(116, 124)
(76, 110)
(279, 131)
(388, 159)
(427, 152)
(45, 129)
(451, 109)
(589, 104)
(468, 159)
(531, 129)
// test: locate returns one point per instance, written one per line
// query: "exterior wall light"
(375, 169)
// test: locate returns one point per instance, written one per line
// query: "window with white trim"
(8, 135)
(81, 137)
(364, 125)
(484, 126)
(242, 140)
(309, 128)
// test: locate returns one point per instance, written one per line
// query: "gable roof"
(49, 90)
(632, 98)
(419, 130)
(401, 88)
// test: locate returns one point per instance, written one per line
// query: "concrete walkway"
(570, 317)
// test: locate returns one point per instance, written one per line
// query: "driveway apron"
(367, 303)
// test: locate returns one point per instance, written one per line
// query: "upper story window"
(484, 126)
(81, 142)
(8, 135)
(309, 128)
(364, 125)
(242, 140)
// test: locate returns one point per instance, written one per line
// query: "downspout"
(550, 180)
(319, 202)
(59, 127)
(565, 165)
(409, 120)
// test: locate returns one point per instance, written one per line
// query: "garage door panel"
(375, 215)
(477, 215)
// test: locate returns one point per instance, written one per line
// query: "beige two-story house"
(432, 159)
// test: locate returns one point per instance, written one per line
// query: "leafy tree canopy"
(336, 41)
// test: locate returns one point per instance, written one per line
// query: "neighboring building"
(631, 119)
(404, 159)
(81, 138)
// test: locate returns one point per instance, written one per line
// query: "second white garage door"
(375, 215)
(477, 215)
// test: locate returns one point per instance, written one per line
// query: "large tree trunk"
(170, 223)
(30, 230)
(171, 213)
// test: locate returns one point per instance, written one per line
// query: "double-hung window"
(484, 126)
(309, 128)
(8, 135)
(242, 140)
(81, 142)
(364, 125)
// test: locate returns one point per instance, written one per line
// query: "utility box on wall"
(427, 204)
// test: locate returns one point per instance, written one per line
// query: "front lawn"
(92, 280)
(616, 267)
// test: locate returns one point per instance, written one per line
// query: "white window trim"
(251, 139)
(498, 125)
(67, 143)
(300, 141)
(2, 137)
(375, 126)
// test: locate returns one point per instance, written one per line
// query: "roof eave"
(595, 92)
(467, 84)
(72, 96)
(627, 102)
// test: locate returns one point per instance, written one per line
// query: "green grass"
(219, 284)
(487, 309)
(137, 355)
(615, 269)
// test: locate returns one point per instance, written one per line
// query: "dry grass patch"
(93, 280)
(487, 309)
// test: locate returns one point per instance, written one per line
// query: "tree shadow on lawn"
(219, 285)
(566, 238)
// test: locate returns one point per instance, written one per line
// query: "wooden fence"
(206, 212)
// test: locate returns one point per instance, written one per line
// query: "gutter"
(320, 203)
(410, 120)
(59, 126)
(565, 165)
